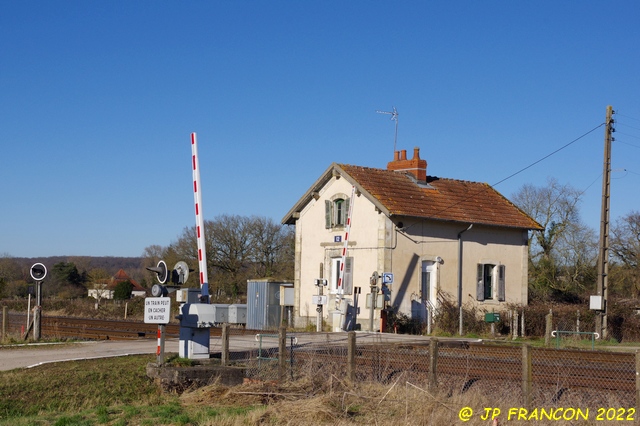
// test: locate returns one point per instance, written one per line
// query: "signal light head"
(158, 290)
(180, 273)
(162, 273)
(38, 271)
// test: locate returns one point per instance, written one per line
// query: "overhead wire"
(626, 116)
(523, 169)
(549, 155)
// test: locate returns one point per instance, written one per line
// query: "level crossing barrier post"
(160, 349)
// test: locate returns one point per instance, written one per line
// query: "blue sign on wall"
(337, 239)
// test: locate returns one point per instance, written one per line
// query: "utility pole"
(603, 253)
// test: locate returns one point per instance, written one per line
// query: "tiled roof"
(122, 276)
(439, 198)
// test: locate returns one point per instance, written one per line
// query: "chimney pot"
(416, 166)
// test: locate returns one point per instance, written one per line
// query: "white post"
(28, 310)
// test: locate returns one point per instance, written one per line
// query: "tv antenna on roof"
(394, 117)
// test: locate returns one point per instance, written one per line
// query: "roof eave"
(293, 214)
(466, 222)
(333, 170)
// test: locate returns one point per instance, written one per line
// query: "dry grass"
(117, 392)
(338, 403)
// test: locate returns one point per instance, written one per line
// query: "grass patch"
(117, 392)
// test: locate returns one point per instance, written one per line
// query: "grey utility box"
(238, 314)
(263, 304)
(220, 313)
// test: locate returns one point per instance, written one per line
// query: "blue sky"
(99, 99)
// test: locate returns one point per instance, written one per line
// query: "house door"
(428, 287)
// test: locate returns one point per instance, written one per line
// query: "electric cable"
(522, 170)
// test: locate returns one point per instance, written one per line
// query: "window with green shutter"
(336, 213)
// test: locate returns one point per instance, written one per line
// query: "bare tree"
(562, 255)
(625, 248)
(238, 248)
(271, 243)
(98, 284)
(9, 272)
(230, 253)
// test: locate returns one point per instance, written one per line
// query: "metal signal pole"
(603, 254)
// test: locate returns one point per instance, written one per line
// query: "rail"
(99, 329)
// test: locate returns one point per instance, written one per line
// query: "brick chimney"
(415, 166)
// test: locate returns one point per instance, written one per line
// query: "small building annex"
(437, 236)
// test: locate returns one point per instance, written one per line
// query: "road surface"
(31, 355)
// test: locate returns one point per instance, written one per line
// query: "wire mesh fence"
(516, 375)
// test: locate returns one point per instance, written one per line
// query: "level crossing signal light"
(38, 271)
(179, 275)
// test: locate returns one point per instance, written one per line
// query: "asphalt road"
(31, 355)
(27, 356)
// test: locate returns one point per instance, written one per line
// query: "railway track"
(556, 367)
(99, 329)
(562, 368)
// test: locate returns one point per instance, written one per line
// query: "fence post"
(224, 354)
(637, 383)
(351, 356)
(522, 323)
(282, 353)
(548, 326)
(4, 322)
(433, 363)
(526, 375)
(515, 324)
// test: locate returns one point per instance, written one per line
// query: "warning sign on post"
(157, 310)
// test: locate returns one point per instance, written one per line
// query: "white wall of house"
(100, 293)
(317, 245)
(423, 243)
(108, 294)
(375, 244)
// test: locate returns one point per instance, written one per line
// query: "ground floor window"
(347, 284)
(490, 282)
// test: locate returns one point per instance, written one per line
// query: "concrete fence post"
(282, 353)
(224, 354)
(637, 383)
(351, 356)
(4, 322)
(548, 328)
(526, 375)
(433, 363)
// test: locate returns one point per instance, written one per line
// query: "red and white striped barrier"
(197, 195)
